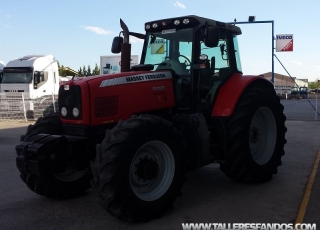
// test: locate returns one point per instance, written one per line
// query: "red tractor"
(132, 136)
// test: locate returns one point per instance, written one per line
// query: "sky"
(78, 32)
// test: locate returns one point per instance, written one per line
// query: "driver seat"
(173, 65)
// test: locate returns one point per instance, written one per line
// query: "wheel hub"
(147, 169)
(152, 170)
(262, 135)
(254, 134)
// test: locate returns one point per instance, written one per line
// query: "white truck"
(1, 65)
(1, 68)
(29, 79)
(107, 68)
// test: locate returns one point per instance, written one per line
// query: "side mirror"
(36, 78)
(116, 45)
(212, 37)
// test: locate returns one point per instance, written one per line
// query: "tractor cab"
(201, 54)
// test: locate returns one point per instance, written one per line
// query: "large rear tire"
(68, 184)
(255, 136)
(139, 168)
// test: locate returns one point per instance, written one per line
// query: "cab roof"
(193, 20)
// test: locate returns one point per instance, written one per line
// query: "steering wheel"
(188, 60)
(180, 55)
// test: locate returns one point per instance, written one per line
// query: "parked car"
(301, 90)
(313, 91)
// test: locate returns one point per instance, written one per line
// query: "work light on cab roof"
(166, 23)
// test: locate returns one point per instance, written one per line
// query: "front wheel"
(139, 168)
(151, 171)
(255, 136)
(69, 184)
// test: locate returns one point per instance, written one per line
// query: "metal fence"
(19, 106)
(304, 108)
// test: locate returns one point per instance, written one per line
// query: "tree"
(314, 85)
(61, 71)
(80, 72)
(89, 71)
(84, 71)
(96, 70)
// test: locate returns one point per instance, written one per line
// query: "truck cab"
(1, 69)
(31, 77)
(107, 69)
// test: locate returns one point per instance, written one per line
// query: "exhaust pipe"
(125, 48)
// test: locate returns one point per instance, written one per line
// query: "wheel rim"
(152, 170)
(262, 135)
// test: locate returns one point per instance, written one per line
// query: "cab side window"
(40, 77)
(214, 69)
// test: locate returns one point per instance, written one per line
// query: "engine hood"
(112, 97)
(121, 78)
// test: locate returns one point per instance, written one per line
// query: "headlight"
(64, 111)
(75, 112)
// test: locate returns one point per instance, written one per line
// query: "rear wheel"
(139, 169)
(255, 136)
(69, 184)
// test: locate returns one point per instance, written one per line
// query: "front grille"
(14, 91)
(106, 106)
(70, 99)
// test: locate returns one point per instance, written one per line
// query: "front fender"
(231, 91)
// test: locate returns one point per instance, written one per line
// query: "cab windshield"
(17, 77)
(170, 49)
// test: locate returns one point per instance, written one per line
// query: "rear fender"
(231, 91)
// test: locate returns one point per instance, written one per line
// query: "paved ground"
(302, 109)
(208, 196)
